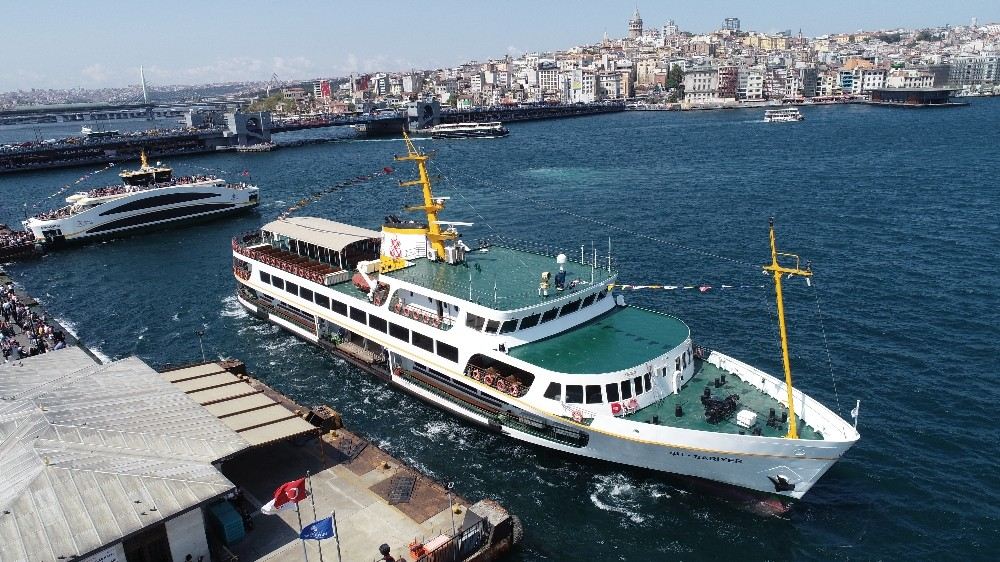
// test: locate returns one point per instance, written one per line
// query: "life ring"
(515, 388)
(377, 299)
(616, 408)
(633, 404)
(577, 416)
(398, 371)
(437, 322)
(398, 307)
(476, 373)
(501, 385)
(488, 379)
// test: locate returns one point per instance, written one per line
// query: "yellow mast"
(778, 270)
(142, 156)
(430, 206)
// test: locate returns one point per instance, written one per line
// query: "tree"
(675, 83)
(926, 35)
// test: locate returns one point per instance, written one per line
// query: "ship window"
(358, 315)
(554, 391)
(626, 389)
(163, 215)
(306, 293)
(474, 322)
(491, 326)
(677, 362)
(684, 360)
(612, 391)
(399, 332)
(550, 315)
(322, 300)
(449, 352)
(291, 288)
(423, 342)
(602, 294)
(265, 277)
(638, 385)
(570, 308)
(378, 323)
(278, 282)
(530, 321)
(594, 394)
(589, 300)
(158, 201)
(509, 326)
(574, 394)
(338, 307)
(648, 383)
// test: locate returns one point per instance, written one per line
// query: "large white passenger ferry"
(536, 347)
(148, 197)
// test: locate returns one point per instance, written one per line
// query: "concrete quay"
(377, 500)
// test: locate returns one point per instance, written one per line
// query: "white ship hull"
(745, 461)
(145, 209)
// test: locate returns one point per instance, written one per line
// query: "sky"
(101, 43)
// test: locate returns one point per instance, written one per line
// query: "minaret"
(635, 25)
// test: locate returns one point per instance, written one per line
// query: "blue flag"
(322, 529)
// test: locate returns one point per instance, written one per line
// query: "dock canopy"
(324, 233)
(259, 416)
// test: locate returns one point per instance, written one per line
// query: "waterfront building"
(750, 84)
(909, 78)
(609, 85)
(701, 85)
(976, 70)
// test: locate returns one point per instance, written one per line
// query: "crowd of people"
(17, 320)
(15, 238)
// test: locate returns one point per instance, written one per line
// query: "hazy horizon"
(54, 45)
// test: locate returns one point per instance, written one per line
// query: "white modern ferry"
(785, 115)
(491, 130)
(148, 197)
(537, 347)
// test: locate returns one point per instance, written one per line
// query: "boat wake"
(231, 308)
(616, 493)
(443, 431)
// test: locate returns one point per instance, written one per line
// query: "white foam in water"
(68, 326)
(100, 354)
(231, 308)
(618, 496)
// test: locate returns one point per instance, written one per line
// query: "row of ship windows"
(494, 326)
(426, 343)
(591, 393)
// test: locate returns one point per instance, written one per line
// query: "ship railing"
(493, 378)
(297, 265)
(422, 315)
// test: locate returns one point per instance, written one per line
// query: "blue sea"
(897, 210)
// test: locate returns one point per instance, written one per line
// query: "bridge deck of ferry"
(620, 339)
(500, 278)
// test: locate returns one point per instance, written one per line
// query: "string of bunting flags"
(703, 288)
(317, 195)
(80, 180)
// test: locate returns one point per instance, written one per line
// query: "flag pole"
(312, 500)
(305, 553)
(336, 533)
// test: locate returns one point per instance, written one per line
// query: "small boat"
(92, 134)
(786, 115)
(490, 130)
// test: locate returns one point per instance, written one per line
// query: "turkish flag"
(286, 496)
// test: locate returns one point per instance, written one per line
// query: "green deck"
(621, 338)
(694, 412)
(501, 278)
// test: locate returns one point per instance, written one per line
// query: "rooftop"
(320, 232)
(87, 450)
(619, 339)
(497, 277)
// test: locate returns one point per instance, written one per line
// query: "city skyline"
(242, 42)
